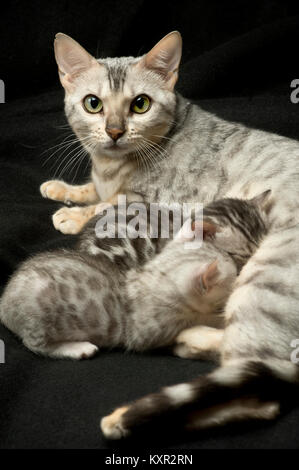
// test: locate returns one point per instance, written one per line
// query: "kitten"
(131, 292)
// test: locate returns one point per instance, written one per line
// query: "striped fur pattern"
(225, 395)
(201, 158)
(135, 293)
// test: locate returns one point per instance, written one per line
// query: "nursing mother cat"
(148, 142)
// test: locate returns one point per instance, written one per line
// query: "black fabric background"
(239, 59)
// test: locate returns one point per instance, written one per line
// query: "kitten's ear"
(208, 229)
(206, 279)
(72, 59)
(261, 200)
(164, 58)
(201, 229)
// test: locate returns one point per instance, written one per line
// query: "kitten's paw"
(186, 352)
(55, 189)
(69, 220)
(112, 426)
(198, 342)
(75, 350)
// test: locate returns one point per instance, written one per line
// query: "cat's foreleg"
(71, 220)
(66, 193)
(199, 342)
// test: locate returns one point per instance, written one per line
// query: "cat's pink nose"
(114, 132)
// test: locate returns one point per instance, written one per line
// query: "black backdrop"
(231, 47)
(239, 60)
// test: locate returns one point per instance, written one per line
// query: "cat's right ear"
(164, 58)
(72, 59)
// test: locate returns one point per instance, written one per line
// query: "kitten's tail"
(239, 390)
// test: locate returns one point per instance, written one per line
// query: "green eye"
(141, 104)
(93, 104)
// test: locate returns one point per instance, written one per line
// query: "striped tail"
(239, 390)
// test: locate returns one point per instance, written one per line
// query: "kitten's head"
(117, 106)
(204, 276)
(231, 230)
(234, 226)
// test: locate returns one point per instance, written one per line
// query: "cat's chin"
(113, 151)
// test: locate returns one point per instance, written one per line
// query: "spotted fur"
(136, 293)
(201, 158)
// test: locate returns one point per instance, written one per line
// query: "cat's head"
(235, 226)
(229, 233)
(118, 106)
(203, 275)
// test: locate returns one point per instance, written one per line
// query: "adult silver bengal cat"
(148, 142)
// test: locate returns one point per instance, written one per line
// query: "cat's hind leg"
(60, 191)
(199, 342)
(73, 350)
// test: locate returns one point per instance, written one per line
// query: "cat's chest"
(111, 177)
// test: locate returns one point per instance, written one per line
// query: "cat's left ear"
(164, 58)
(72, 59)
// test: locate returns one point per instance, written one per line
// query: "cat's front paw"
(112, 426)
(55, 189)
(69, 220)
